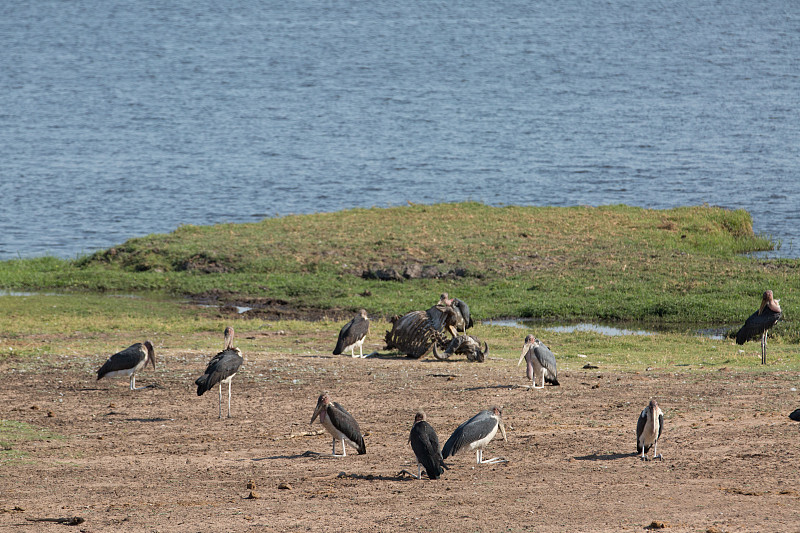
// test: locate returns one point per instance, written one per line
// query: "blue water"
(119, 119)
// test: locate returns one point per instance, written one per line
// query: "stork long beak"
(503, 429)
(317, 411)
(151, 353)
(524, 351)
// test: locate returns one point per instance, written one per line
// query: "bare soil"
(160, 460)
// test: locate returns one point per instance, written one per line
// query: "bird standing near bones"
(460, 320)
(475, 434)
(128, 362)
(353, 334)
(425, 444)
(340, 424)
(541, 362)
(221, 369)
(757, 325)
(648, 430)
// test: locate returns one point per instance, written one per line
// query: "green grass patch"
(680, 267)
(13, 433)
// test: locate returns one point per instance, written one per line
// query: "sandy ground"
(160, 460)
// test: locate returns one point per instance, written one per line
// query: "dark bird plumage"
(648, 430)
(759, 323)
(476, 433)
(340, 424)
(541, 362)
(353, 334)
(457, 315)
(128, 362)
(425, 444)
(221, 369)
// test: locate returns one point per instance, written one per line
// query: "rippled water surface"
(120, 119)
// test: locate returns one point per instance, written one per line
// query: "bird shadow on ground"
(371, 477)
(149, 419)
(606, 457)
(274, 457)
(472, 389)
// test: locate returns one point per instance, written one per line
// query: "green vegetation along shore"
(681, 267)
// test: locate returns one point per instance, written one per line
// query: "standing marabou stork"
(476, 433)
(648, 430)
(541, 362)
(340, 424)
(769, 312)
(128, 362)
(353, 334)
(425, 444)
(221, 369)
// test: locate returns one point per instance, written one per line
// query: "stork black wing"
(344, 422)
(470, 431)
(222, 366)
(350, 333)
(127, 358)
(756, 325)
(425, 444)
(640, 429)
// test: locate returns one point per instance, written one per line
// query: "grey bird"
(475, 434)
(425, 444)
(353, 334)
(221, 369)
(757, 325)
(128, 362)
(340, 424)
(541, 362)
(648, 430)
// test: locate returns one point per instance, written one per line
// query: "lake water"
(119, 119)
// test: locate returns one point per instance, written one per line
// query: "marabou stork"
(353, 334)
(425, 444)
(476, 433)
(340, 424)
(541, 362)
(769, 312)
(648, 430)
(128, 362)
(221, 369)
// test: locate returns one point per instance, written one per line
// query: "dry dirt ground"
(160, 460)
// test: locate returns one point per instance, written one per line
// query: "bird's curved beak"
(317, 411)
(503, 430)
(524, 351)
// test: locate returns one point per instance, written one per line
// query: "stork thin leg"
(229, 399)
(361, 351)
(493, 460)
(655, 451)
(534, 382)
(764, 348)
(419, 471)
(352, 351)
(133, 383)
(220, 400)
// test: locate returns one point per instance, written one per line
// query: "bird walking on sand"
(475, 434)
(340, 424)
(648, 430)
(221, 369)
(425, 444)
(128, 362)
(541, 362)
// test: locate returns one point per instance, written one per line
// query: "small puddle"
(717, 333)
